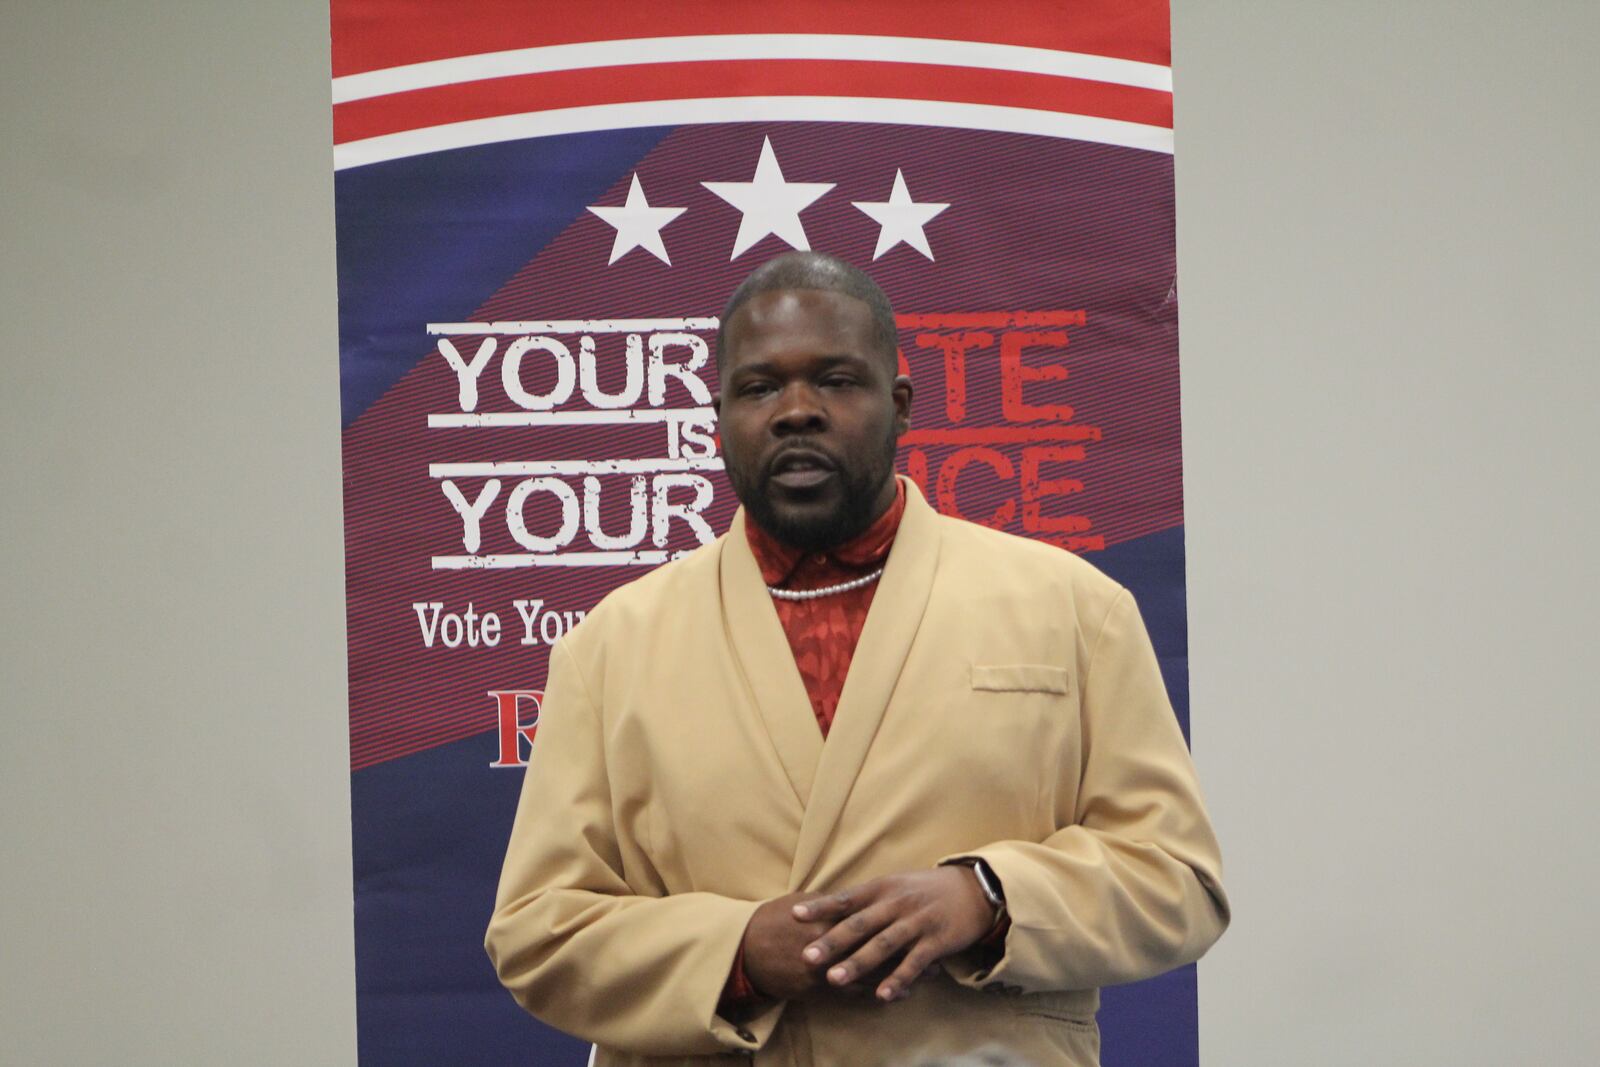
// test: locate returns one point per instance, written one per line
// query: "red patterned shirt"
(823, 633)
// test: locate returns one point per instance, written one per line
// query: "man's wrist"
(988, 884)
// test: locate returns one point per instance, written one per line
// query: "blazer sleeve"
(575, 945)
(1130, 884)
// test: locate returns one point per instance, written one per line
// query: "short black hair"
(816, 270)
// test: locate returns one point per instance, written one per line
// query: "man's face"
(810, 413)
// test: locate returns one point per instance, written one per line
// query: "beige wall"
(1387, 245)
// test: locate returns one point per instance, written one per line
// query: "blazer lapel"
(892, 622)
(767, 663)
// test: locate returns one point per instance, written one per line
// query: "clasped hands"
(804, 943)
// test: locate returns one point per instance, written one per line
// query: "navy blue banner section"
(424, 239)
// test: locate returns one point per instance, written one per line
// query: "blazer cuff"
(741, 1024)
(986, 964)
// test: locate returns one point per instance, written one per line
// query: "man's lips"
(801, 469)
(803, 477)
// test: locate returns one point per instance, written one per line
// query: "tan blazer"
(1004, 701)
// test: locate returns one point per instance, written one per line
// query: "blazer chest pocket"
(1022, 678)
(1017, 733)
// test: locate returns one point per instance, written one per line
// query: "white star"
(770, 204)
(901, 219)
(638, 225)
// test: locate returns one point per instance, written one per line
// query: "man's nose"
(800, 410)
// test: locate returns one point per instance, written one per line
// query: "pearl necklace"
(827, 590)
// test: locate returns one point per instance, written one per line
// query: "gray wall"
(1387, 239)
(1388, 263)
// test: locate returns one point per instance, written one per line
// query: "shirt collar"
(779, 562)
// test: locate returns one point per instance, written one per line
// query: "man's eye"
(838, 381)
(756, 389)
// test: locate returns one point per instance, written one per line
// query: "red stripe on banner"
(991, 320)
(377, 34)
(1000, 435)
(422, 108)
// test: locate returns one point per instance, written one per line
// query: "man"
(856, 782)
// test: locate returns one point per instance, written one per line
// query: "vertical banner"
(541, 210)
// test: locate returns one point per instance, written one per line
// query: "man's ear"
(902, 391)
(716, 403)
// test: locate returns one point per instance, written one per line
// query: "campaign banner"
(541, 211)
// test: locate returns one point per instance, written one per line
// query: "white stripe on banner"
(750, 109)
(550, 559)
(572, 326)
(534, 468)
(613, 417)
(815, 46)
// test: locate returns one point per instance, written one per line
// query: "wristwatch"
(988, 882)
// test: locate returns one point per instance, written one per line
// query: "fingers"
(922, 959)
(900, 925)
(877, 950)
(848, 933)
(832, 907)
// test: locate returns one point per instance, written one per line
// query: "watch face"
(988, 883)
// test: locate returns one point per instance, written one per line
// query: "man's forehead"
(801, 310)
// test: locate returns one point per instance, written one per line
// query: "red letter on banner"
(955, 347)
(1013, 374)
(512, 732)
(952, 470)
(1034, 490)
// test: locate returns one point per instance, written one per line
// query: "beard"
(861, 479)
